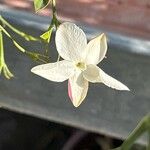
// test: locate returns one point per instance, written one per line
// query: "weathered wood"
(105, 110)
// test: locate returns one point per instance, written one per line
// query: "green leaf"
(46, 36)
(40, 4)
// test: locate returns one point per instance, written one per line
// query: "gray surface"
(104, 110)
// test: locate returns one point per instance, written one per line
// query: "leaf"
(40, 4)
(46, 36)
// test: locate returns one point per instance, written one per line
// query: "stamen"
(81, 66)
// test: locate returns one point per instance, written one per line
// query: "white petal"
(58, 72)
(77, 89)
(70, 41)
(111, 82)
(96, 49)
(91, 73)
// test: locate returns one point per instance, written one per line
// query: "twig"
(142, 127)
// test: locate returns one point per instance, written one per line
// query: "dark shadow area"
(22, 132)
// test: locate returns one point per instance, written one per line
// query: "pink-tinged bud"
(70, 91)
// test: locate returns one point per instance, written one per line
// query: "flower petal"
(91, 73)
(58, 72)
(96, 49)
(111, 82)
(70, 41)
(77, 89)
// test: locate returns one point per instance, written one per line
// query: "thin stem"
(46, 49)
(35, 56)
(50, 30)
(52, 25)
(54, 8)
(1, 48)
(24, 35)
(11, 27)
(54, 12)
(3, 66)
(15, 43)
(55, 20)
(143, 126)
(148, 146)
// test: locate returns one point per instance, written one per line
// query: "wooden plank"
(104, 111)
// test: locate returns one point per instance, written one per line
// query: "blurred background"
(21, 132)
(129, 17)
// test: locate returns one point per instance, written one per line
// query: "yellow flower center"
(81, 66)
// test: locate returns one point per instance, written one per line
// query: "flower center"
(81, 66)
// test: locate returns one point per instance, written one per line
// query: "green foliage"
(15, 43)
(22, 34)
(46, 36)
(3, 67)
(34, 56)
(142, 127)
(40, 4)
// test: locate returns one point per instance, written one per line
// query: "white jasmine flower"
(80, 63)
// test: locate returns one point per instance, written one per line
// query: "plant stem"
(15, 43)
(11, 27)
(143, 126)
(55, 20)
(3, 65)
(148, 146)
(22, 34)
(1, 48)
(36, 56)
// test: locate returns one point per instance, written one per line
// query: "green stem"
(1, 49)
(11, 27)
(148, 146)
(54, 12)
(55, 20)
(35, 56)
(3, 65)
(50, 29)
(15, 43)
(143, 126)
(24, 35)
